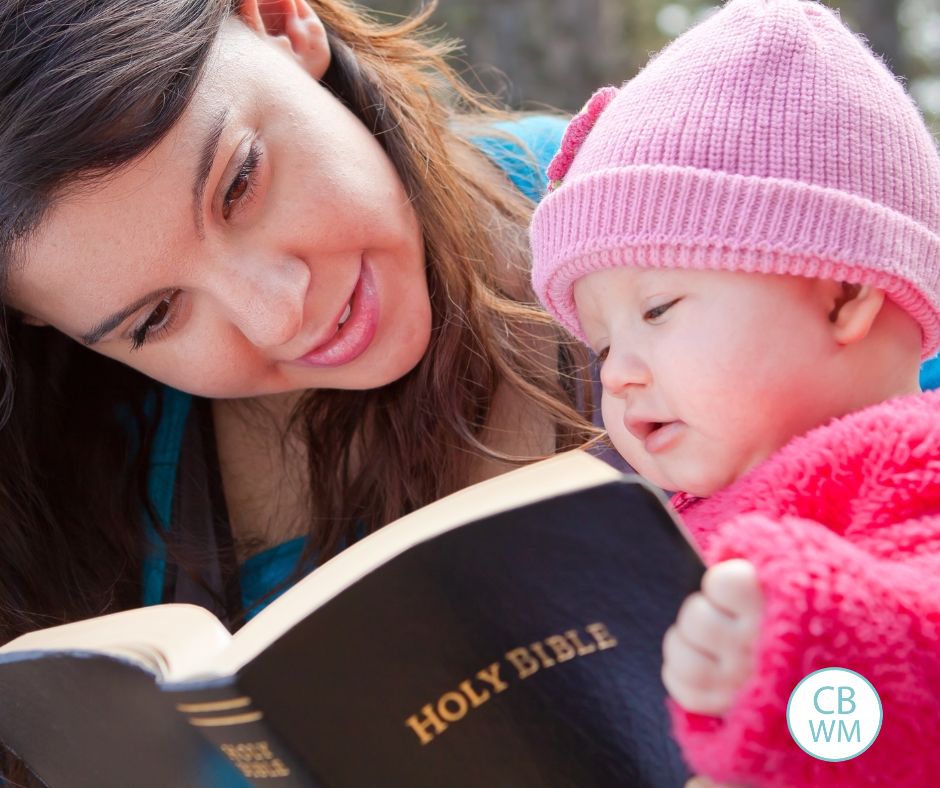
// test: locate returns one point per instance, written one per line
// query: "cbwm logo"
(834, 714)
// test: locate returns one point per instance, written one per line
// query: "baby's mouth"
(658, 436)
(642, 429)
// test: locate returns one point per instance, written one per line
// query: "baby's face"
(705, 373)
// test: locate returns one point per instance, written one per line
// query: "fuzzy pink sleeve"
(829, 603)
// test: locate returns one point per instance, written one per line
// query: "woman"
(292, 214)
(265, 290)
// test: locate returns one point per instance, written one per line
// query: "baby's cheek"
(628, 446)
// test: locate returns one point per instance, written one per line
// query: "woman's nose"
(265, 299)
(623, 371)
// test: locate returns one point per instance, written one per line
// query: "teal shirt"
(264, 571)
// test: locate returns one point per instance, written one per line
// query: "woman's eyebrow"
(209, 148)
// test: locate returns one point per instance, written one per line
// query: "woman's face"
(265, 245)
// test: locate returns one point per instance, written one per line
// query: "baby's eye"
(603, 353)
(659, 311)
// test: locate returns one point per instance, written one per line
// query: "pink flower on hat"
(577, 131)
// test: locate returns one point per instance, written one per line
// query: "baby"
(748, 236)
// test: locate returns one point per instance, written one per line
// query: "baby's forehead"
(629, 277)
(607, 290)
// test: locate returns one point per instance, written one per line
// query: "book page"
(558, 475)
(171, 641)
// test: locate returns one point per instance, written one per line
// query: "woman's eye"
(602, 354)
(157, 322)
(240, 188)
(659, 311)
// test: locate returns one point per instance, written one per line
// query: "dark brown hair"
(85, 86)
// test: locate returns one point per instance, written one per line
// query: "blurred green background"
(557, 52)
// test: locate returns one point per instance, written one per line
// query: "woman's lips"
(355, 335)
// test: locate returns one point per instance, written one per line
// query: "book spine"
(231, 721)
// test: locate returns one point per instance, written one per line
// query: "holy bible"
(506, 636)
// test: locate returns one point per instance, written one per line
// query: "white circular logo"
(834, 714)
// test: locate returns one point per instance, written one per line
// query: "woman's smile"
(355, 329)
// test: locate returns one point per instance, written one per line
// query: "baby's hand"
(708, 654)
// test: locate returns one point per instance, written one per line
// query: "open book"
(507, 635)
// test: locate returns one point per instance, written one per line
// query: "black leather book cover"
(520, 651)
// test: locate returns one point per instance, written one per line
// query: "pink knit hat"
(768, 138)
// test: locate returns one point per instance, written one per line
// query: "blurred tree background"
(556, 52)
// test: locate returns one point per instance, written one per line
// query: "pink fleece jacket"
(843, 525)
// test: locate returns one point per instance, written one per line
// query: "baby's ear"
(855, 308)
(293, 25)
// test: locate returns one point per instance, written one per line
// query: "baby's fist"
(708, 654)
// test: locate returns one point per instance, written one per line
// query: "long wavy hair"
(86, 86)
